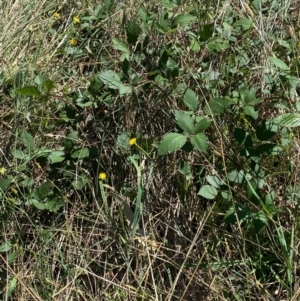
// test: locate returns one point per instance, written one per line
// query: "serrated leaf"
(170, 4)
(250, 111)
(5, 247)
(238, 176)
(238, 211)
(200, 141)
(207, 191)
(28, 141)
(217, 44)
(171, 143)
(217, 106)
(123, 140)
(4, 183)
(119, 44)
(28, 91)
(55, 204)
(124, 90)
(133, 31)
(49, 85)
(288, 120)
(80, 182)
(191, 100)
(42, 191)
(202, 125)
(111, 79)
(279, 63)
(182, 20)
(242, 137)
(214, 181)
(185, 121)
(266, 130)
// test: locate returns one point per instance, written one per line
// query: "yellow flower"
(132, 141)
(102, 176)
(56, 15)
(73, 42)
(76, 20)
(3, 170)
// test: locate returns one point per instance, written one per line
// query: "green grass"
(188, 111)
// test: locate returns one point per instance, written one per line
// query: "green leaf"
(18, 154)
(250, 111)
(133, 31)
(80, 182)
(214, 181)
(55, 204)
(269, 148)
(170, 4)
(206, 32)
(217, 44)
(12, 257)
(49, 85)
(238, 176)
(42, 191)
(191, 100)
(28, 141)
(240, 212)
(279, 63)
(182, 20)
(123, 141)
(244, 23)
(95, 86)
(28, 91)
(171, 143)
(217, 106)
(5, 247)
(111, 79)
(200, 141)
(57, 156)
(203, 124)
(288, 120)
(81, 153)
(124, 89)
(185, 121)
(4, 183)
(37, 204)
(242, 137)
(207, 191)
(266, 130)
(11, 286)
(119, 44)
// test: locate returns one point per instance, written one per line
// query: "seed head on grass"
(102, 176)
(73, 42)
(76, 20)
(132, 141)
(56, 15)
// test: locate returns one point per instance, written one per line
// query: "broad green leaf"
(37, 204)
(80, 182)
(81, 153)
(217, 106)
(5, 247)
(123, 141)
(207, 191)
(28, 91)
(202, 125)
(171, 143)
(17, 153)
(124, 89)
(200, 141)
(206, 32)
(42, 191)
(250, 111)
(238, 176)
(240, 212)
(217, 44)
(242, 137)
(288, 120)
(191, 100)
(269, 148)
(214, 181)
(182, 20)
(55, 204)
(111, 79)
(14, 255)
(57, 156)
(133, 31)
(170, 4)
(119, 44)
(185, 121)
(244, 23)
(49, 85)
(95, 86)
(266, 130)
(279, 63)
(195, 46)
(28, 141)
(4, 183)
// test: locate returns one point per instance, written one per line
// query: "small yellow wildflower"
(56, 15)
(73, 42)
(132, 141)
(3, 170)
(102, 176)
(76, 20)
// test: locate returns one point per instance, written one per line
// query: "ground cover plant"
(149, 150)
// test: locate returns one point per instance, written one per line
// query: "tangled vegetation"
(149, 150)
